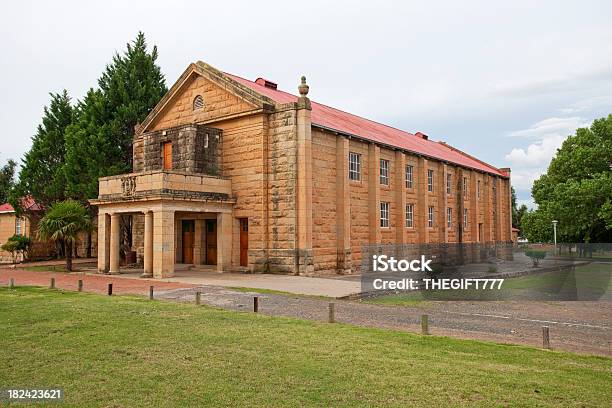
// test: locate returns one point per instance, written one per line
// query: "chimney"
(422, 135)
(266, 83)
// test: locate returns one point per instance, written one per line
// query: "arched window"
(198, 102)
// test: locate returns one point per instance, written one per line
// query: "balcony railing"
(166, 183)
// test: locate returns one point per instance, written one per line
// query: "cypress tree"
(100, 142)
(42, 174)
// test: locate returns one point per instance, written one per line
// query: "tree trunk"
(88, 253)
(68, 259)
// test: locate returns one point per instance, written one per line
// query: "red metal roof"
(28, 203)
(344, 122)
(6, 207)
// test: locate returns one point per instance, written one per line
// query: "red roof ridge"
(471, 157)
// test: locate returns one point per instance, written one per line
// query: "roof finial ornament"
(303, 88)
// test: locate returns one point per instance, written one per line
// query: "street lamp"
(555, 231)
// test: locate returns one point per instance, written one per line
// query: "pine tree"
(42, 173)
(7, 180)
(100, 142)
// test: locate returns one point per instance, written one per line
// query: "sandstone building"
(238, 174)
(26, 225)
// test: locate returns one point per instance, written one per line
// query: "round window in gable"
(198, 102)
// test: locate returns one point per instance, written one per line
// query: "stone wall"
(490, 208)
(195, 149)
(324, 217)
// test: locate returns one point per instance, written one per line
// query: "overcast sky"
(505, 82)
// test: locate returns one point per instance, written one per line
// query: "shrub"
(17, 244)
(535, 255)
(492, 269)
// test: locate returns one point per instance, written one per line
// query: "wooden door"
(167, 155)
(211, 242)
(188, 239)
(244, 242)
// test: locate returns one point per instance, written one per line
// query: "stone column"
(304, 182)
(497, 208)
(343, 207)
(198, 248)
(115, 243)
(442, 203)
(508, 200)
(374, 194)
(422, 202)
(474, 210)
(224, 241)
(148, 245)
(400, 198)
(163, 244)
(103, 242)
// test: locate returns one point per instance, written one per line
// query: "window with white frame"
(478, 189)
(384, 214)
(430, 217)
(409, 172)
(465, 217)
(430, 180)
(449, 217)
(465, 188)
(354, 166)
(18, 226)
(409, 215)
(449, 180)
(384, 172)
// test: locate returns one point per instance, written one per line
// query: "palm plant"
(62, 223)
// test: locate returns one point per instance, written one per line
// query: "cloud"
(536, 154)
(547, 135)
(578, 81)
(587, 105)
(550, 127)
(523, 178)
(529, 203)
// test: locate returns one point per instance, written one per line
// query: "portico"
(187, 220)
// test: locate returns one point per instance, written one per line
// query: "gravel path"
(584, 327)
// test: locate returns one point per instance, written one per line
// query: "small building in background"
(26, 224)
(515, 235)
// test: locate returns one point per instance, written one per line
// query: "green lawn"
(48, 268)
(132, 352)
(277, 292)
(585, 282)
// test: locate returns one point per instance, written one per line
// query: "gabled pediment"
(221, 97)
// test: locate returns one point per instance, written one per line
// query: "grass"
(277, 292)
(131, 352)
(586, 282)
(48, 268)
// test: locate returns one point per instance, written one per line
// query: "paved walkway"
(583, 327)
(302, 285)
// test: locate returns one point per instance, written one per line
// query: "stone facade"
(338, 201)
(241, 158)
(27, 226)
(196, 149)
